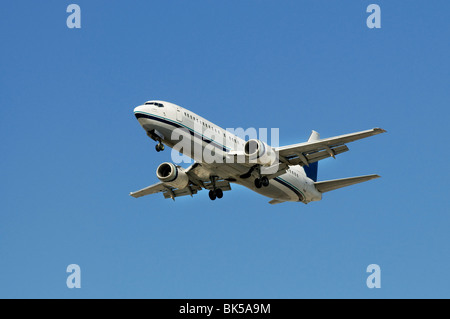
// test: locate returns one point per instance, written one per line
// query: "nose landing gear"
(158, 137)
(159, 147)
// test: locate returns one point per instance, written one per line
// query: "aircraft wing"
(196, 183)
(168, 191)
(152, 189)
(313, 151)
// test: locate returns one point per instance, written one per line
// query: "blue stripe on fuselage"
(178, 125)
(292, 188)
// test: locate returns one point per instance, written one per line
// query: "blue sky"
(72, 149)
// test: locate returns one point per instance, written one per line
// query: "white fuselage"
(162, 118)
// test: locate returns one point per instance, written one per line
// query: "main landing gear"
(260, 182)
(159, 147)
(215, 192)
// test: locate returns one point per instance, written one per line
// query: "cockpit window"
(154, 103)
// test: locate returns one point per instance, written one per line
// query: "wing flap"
(298, 153)
(172, 193)
(317, 155)
(223, 185)
(326, 186)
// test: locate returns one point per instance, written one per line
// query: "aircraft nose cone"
(140, 111)
(139, 108)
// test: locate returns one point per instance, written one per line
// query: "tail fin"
(312, 169)
(327, 186)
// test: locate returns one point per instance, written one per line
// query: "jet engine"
(259, 152)
(172, 175)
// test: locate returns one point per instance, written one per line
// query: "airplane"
(283, 174)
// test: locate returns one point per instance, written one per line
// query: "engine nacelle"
(172, 175)
(259, 152)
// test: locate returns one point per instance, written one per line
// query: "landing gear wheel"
(159, 147)
(265, 181)
(258, 183)
(212, 195)
(219, 193)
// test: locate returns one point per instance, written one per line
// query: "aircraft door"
(179, 114)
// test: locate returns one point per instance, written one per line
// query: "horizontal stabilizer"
(327, 186)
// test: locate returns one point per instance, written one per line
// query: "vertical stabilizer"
(312, 169)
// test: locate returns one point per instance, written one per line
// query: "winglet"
(315, 136)
(379, 130)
